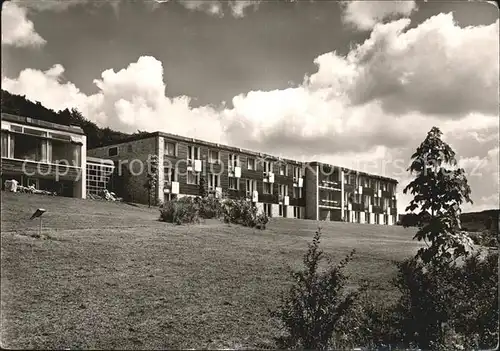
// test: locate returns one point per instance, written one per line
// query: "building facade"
(45, 155)
(275, 185)
(342, 194)
(279, 187)
(54, 157)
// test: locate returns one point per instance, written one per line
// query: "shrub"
(449, 306)
(261, 221)
(243, 212)
(210, 207)
(310, 312)
(370, 323)
(181, 211)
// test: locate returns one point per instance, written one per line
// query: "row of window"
(367, 182)
(366, 200)
(213, 182)
(233, 160)
(282, 210)
(369, 220)
(34, 148)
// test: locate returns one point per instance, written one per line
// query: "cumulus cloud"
(324, 118)
(17, 29)
(364, 15)
(430, 69)
(237, 8)
(50, 5)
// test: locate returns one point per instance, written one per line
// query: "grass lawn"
(111, 275)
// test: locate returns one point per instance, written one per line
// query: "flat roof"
(376, 176)
(39, 123)
(201, 142)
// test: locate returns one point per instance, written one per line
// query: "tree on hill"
(152, 176)
(439, 188)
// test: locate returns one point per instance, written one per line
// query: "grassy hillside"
(112, 276)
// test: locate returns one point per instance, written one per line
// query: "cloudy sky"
(356, 84)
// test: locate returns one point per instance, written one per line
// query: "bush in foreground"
(189, 210)
(181, 211)
(243, 212)
(312, 310)
(449, 307)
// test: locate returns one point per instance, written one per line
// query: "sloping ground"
(112, 276)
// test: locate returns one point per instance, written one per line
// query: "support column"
(160, 183)
(342, 204)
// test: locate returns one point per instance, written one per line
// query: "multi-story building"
(54, 157)
(337, 193)
(278, 187)
(45, 155)
(275, 185)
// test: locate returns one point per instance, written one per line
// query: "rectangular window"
(297, 172)
(35, 132)
(15, 128)
(283, 190)
(234, 183)
(366, 182)
(130, 148)
(251, 164)
(193, 153)
(283, 169)
(213, 156)
(193, 177)
(170, 174)
(280, 210)
(233, 161)
(297, 192)
(5, 144)
(296, 212)
(169, 148)
(58, 136)
(213, 181)
(267, 188)
(268, 209)
(113, 151)
(251, 185)
(367, 200)
(367, 217)
(377, 218)
(268, 166)
(356, 217)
